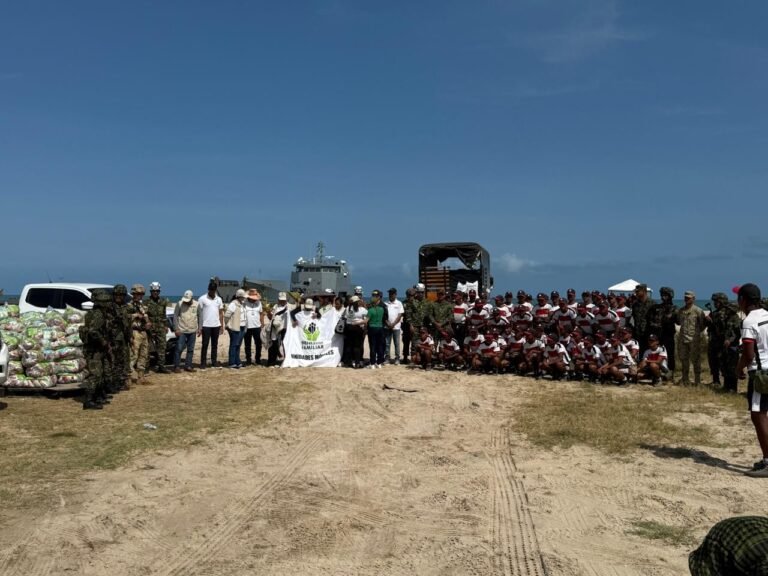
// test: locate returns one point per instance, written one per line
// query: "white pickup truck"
(57, 295)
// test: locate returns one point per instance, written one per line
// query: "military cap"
(521, 293)
(101, 297)
(641, 287)
(667, 290)
(719, 296)
(120, 289)
(137, 289)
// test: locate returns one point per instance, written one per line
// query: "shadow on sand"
(698, 456)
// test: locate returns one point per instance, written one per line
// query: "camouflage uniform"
(157, 316)
(414, 312)
(691, 322)
(640, 322)
(724, 334)
(121, 339)
(439, 314)
(661, 321)
(97, 350)
(139, 341)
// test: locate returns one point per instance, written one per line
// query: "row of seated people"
(574, 355)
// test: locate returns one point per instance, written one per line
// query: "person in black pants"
(354, 333)
(406, 329)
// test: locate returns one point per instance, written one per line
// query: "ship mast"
(320, 248)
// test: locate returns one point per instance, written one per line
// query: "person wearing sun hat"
(253, 311)
(186, 323)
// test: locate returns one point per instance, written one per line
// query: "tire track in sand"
(515, 546)
(186, 561)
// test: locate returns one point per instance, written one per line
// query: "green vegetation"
(618, 420)
(673, 535)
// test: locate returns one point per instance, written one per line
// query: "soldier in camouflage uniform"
(140, 325)
(156, 308)
(661, 321)
(414, 312)
(121, 340)
(438, 314)
(724, 328)
(640, 309)
(97, 350)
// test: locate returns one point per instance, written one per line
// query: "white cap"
(355, 299)
(240, 293)
(309, 304)
(188, 295)
(420, 287)
(282, 296)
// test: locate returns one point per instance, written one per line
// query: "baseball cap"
(749, 292)
(282, 296)
(309, 304)
(188, 295)
(240, 293)
(392, 291)
(376, 293)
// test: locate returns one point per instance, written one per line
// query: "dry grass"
(673, 535)
(48, 443)
(618, 420)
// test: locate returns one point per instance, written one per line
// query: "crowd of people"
(599, 337)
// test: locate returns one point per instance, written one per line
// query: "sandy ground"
(360, 480)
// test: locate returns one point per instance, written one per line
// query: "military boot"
(90, 403)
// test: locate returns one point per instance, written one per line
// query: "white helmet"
(420, 287)
(358, 289)
(154, 286)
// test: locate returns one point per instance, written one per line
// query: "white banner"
(313, 342)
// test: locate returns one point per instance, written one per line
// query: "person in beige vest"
(186, 324)
(235, 321)
(691, 320)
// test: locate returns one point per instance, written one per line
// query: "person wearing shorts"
(754, 356)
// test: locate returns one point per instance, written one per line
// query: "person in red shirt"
(555, 361)
(533, 350)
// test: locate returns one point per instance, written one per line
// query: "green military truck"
(448, 265)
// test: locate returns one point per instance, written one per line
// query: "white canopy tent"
(626, 286)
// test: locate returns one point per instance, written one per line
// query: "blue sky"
(581, 143)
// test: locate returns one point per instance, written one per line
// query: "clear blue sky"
(581, 142)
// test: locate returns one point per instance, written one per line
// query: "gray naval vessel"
(314, 276)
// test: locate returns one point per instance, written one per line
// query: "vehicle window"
(73, 298)
(44, 297)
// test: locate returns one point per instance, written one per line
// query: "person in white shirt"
(393, 322)
(533, 350)
(754, 357)
(277, 326)
(449, 351)
(422, 352)
(619, 364)
(212, 324)
(488, 356)
(590, 359)
(654, 362)
(253, 320)
(354, 334)
(555, 359)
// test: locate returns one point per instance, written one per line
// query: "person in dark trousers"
(354, 333)
(376, 339)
